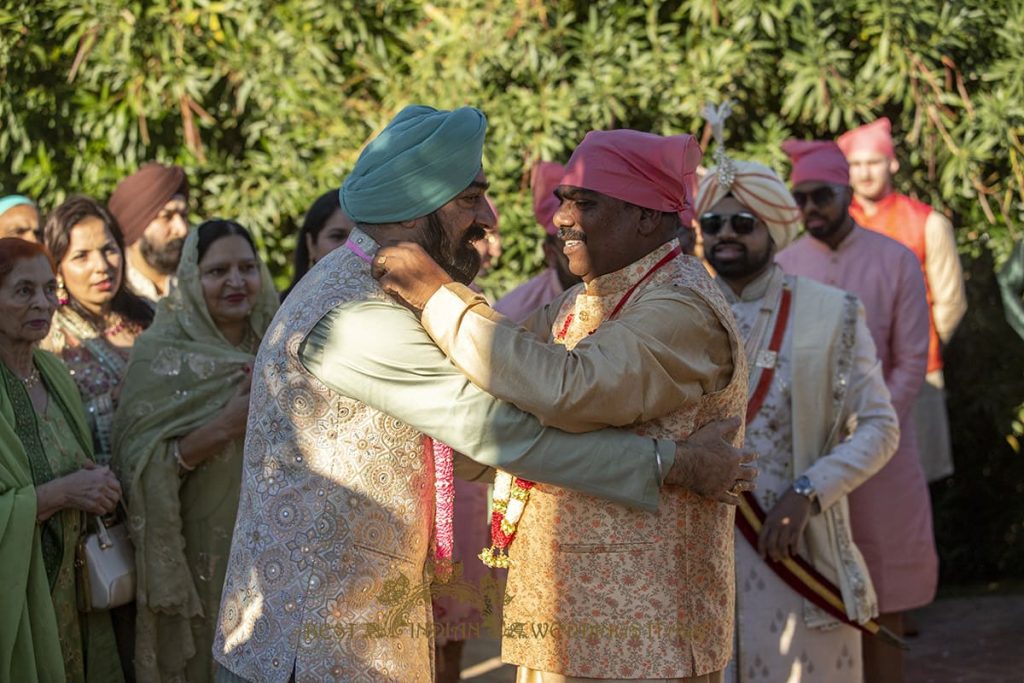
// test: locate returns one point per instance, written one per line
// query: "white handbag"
(106, 566)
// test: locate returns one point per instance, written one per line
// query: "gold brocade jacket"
(336, 500)
(598, 590)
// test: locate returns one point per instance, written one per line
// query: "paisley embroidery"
(652, 594)
(335, 498)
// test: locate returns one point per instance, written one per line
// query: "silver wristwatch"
(805, 488)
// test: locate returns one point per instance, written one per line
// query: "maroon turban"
(140, 197)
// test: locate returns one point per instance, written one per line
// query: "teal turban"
(13, 200)
(418, 163)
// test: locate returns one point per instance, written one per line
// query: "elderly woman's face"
(28, 298)
(93, 266)
(230, 275)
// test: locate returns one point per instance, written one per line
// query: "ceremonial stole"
(795, 571)
(444, 486)
(511, 494)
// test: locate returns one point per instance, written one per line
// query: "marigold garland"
(512, 493)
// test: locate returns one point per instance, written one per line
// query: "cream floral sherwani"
(827, 416)
(598, 590)
(328, 562)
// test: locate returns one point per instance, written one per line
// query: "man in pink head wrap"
(929, 234)
(891, 512)
(518, 304)
(647, 342)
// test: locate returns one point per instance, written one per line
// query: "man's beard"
(164, 259)
(742, 267)
(462, 263)
(828, 229)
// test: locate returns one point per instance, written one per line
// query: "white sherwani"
(827, 415)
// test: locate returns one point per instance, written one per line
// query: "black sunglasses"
(743, 223)
(820, 196)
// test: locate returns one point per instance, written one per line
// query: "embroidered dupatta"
(182, 371)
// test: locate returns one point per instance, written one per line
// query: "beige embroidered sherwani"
(329, 557)
(827, 416)
(598, 590)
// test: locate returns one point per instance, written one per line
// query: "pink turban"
(816, 160)
(545, 179)
(494, 210)
(653, 171)
(140, 197)
(872, 137)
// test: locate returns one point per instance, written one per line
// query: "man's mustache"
(728, 243)
(568, 234)
(475, 233)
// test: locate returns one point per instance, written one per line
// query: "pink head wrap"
(653, 171)
(817, 160)
(545, 179)
(494, 210)
(871, 137)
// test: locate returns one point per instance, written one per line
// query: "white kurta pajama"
(780, 637)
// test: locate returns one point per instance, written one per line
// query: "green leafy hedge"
(267, 104)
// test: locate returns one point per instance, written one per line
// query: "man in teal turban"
(346, 501)
(19, 217)
(422, 180)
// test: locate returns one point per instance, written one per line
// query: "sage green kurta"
(182, 372)
(86, 638)
(43, 637)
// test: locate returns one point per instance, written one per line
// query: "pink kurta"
(518, 304)
(891, 512)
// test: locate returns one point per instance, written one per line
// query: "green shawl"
(182, 371)
(29, 645)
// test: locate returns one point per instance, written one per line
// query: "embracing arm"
(377, 353)
(665, 350)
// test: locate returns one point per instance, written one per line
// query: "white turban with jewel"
(754, 185)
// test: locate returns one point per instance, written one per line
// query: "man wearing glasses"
(891, 512)
(813, 367)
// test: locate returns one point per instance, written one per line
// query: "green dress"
(84, 637)
(53, 641)
(181, 373)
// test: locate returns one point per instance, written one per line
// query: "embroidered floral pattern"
(648, 595)
(311, 557)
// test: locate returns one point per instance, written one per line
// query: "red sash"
(796, 572)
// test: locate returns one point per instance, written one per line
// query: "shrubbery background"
(267, 105)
